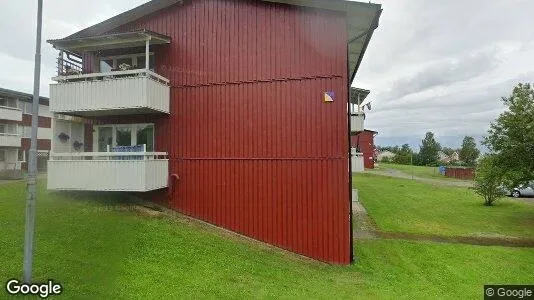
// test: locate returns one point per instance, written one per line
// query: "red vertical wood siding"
(256, 148)
(365, 140)
(460, 173)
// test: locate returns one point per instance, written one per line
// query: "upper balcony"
(9, 110)
(357, 116)
(115, 79)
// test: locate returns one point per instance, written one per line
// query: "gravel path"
(365, 227)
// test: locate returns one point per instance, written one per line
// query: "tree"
(448, 151)
(488, 180)
(469, 152)
(429, 150)
(403, 155)
(511, 137)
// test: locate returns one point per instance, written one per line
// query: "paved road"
(400, 174)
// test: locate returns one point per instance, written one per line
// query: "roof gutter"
(368, 34)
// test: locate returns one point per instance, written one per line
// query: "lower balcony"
(10, 140)
(108, 171)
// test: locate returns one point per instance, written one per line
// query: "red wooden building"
(240, 114)
(364, 142)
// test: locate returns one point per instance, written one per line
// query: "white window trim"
(114, 127)
(134, 57)
(11, 125)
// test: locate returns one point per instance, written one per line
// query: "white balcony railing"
(10, 113)
(108, 171)
(10, 140)
(112, 93)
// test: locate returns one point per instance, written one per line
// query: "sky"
(439, 66)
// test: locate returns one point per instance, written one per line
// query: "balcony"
(356, 109)
(108, 171)
(10, 140)
(109, 75)
(112, 93)
(10, 113)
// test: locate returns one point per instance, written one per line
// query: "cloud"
(442, 72)
(18, 21)
(443, 66)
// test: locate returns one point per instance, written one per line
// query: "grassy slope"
(99, 251)
(403, 205)
(418, 171)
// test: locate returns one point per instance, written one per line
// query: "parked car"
(526, 190)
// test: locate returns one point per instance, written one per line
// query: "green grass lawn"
(418, 171)
(99, 250)
(403, 205)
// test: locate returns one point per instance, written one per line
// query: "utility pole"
(32, 162)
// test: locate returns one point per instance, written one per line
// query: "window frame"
(15, 128)
(133, 133)
(23, 156)
(14, 101)
(133, 56)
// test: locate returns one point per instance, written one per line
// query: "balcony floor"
(114, 112)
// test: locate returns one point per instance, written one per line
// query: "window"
(26, 107)
(9, 128)
(21, 155)
(105, 138)
(145, 135)
(136, 61)
(2, 155)
(141, 62)
(8, 102)
(26, 131)
(125, 60)
(106, 65)
(125, 135)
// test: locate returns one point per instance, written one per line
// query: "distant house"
(385, 155)
(446, 159)
(363, 141)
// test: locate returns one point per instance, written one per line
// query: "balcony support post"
(147, 52)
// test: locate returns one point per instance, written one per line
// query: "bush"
(385, 159)
(488, 180)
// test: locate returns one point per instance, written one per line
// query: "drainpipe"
(171, 185)
(349, 113)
